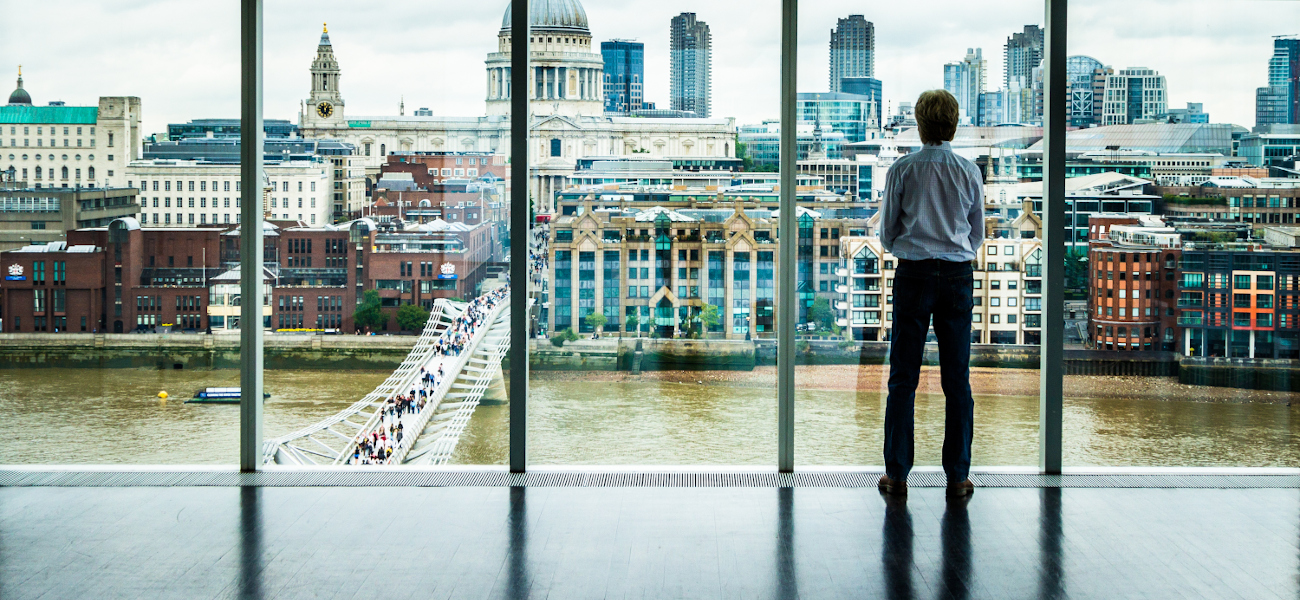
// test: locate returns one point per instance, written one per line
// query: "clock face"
(324, 109)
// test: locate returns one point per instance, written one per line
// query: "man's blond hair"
(936, 116)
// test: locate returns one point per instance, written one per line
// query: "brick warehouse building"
(110, 279)
(123, 278)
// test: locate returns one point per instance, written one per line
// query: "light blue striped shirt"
(933, 206)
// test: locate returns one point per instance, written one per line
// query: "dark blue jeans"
(923, 290)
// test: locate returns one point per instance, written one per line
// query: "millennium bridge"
(465, 342)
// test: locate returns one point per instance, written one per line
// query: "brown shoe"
(892, 487)
(961, 490)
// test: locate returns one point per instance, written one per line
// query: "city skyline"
(193, 73)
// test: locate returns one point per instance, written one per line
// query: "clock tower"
(326, 104)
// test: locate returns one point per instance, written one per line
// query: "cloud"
(182, 57)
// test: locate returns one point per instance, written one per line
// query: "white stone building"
(189, 192)
(567, 105)
(69, 146)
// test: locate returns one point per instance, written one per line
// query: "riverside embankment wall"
(190, 351)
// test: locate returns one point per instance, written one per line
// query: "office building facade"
(849, 114)
(865, 86)
(41, 215)
(1134, 95)
(690, 48)
(193, 193)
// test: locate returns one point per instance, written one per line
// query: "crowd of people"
(377, 446)
(538, 261)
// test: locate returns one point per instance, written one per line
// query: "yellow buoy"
(162, 395)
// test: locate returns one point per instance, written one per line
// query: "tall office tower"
(624, 75)
(965, 81)
(1022, 53)
(691, 76)
(853, 50)
(1133, 94)
(1280, 101)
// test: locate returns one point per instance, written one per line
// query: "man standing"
(932, 220)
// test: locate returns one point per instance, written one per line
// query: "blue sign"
(22, 278)
(446, 276)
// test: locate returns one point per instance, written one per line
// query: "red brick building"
(111, 279)
(430, 169)
(123, 278)
(1132, 284)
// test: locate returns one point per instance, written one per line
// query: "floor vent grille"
(577, 478)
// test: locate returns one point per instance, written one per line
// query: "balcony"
(841, 272)
(1191, 302)
(1189, 321)
(841, 305)
(842, 289)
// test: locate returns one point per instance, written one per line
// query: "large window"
(848, 328)
(662, 287)
(1188, 309)
(656, 344)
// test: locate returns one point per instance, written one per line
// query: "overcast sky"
(181, 57)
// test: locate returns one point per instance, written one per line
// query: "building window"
(555, 147)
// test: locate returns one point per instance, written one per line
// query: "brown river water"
(88, 416)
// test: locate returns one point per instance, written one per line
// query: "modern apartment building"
(852, 51)
(1133, 264)
(349, 176)
(690, 79)
(1241, 300)
(1008, 292)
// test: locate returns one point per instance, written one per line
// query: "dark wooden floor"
(562, 543)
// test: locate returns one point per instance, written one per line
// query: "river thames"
(113, 416)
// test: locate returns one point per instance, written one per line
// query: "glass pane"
(1181, 269)
(109, 259)
(855, 293)
(654, 338)
(411, 270)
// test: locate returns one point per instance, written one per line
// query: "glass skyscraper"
(624, 75)
(1279, 103)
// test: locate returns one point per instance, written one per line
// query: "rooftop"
(39, 115)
